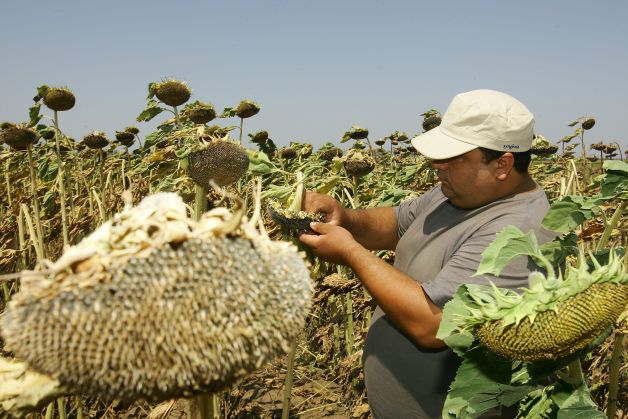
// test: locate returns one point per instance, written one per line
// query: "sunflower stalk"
(8, 182)
(297, 202)
(615, 365)
(23, 261)
(585, 178)
(207, 405)
(349, 337)
(61, 177)
(37, 244)
(101, 174)
(61, 407)
(31, 165)
(606, 234)
(241, 128)
(176, 117)
(79, 408)
(287, 390)
(6, 294)
(101, 209)
(123, 175)
(356, 195)
(576, 376)
(200, 200)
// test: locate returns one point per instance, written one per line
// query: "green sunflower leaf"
(509, 244)
(152, 110)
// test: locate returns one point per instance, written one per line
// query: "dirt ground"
(259, 396)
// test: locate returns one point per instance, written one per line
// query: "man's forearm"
(373, 228)
(399, 296)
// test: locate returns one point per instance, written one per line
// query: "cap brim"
(436, 145)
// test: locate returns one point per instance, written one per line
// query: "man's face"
(466, 180)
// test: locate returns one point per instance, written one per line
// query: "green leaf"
(449, 330)
(616, 166)
(152, 110)
(408, 174)
(554, 169)
(575, 403)
(328, 184)
(392, 197)
(571, 211)
(267, 146)
(482, 382)
(557, 250)
(603, 256)
(615, 181)
(228, 113)
(182, 153)
(537, 404)
(33, 113)
(151, 90)
(41, 92)
(49, 207)
(47, 170)
(278, 193)
(563, 216)
(259, 163)
(509, 244)
(156, 136)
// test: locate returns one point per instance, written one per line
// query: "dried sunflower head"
(155, 305)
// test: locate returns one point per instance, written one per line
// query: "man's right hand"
(373, 228)
(334, 212)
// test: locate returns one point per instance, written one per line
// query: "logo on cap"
(511, 146)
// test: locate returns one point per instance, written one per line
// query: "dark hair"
(522, 158)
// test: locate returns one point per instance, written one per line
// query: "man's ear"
(505, 164)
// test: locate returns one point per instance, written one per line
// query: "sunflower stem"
(7, 181)
(585, 179)
(21, 241)
(61, 177)
(31, 165)
(79, 408)
(200, 201)
(575, 373)
(297, 202)
(613, 384)
(356, 195)
(349, 337)
(101, 174)
(61, 407)
(606, 234)
(241, 127)
(37, 244)
(50, 409)
(176, 117)
(287, 390)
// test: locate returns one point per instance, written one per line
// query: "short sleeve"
(461, 267)
(407, 211)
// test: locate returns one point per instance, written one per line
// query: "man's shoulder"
(524, 211)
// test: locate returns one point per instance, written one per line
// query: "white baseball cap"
(479, 118)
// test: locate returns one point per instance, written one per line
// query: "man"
(481, 155)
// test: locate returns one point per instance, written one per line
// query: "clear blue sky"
(318, 67)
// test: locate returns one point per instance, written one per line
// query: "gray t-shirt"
(440, 246)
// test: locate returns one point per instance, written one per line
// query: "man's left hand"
(332, 243)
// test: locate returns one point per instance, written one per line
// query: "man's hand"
(400, 296)
(373, 228)
(316, 202)
(332, 243)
